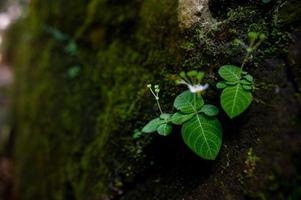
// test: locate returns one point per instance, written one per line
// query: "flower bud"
(252, 35)
(262, 37)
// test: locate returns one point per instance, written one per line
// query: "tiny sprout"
(156, 95)
(255, 41)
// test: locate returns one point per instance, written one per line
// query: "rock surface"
(80, 92)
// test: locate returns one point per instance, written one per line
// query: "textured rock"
(191, 12)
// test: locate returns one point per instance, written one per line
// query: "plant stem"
(245, 61)
(153, 92)
(159, 106)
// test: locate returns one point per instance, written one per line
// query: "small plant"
(161, 124)
(201, 130)
(238, 84)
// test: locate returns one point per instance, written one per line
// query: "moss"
(66, 126)
(73, 136)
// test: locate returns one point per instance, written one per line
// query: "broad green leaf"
(188, 102)
(203, 135)
(164, 129)
(249, 77)
(179, 118)
(235, 100)
(165, 116)
(209, 110)
(152, 125)
(230, 73)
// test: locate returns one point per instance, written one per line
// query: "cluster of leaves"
(238, 84)
(237, 90)
(201, 130)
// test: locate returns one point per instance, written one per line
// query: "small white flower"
(195, 88)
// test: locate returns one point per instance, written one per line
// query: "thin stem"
(153, 92)
(157, 99)
(252, 46)
(186, 79)
(245, 60)
(257, 45)
(159, 106)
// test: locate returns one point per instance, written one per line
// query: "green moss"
(66, 127)
(74, 135)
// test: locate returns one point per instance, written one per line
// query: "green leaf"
(231, 82)
(209, 110)
(152, 125)
(188, 102)
(137, 134)
(247, 87)
(203, 135)
(179, 118)
(221, 85)
(164, 129)
(165, 116)
(235, 100)
(192, 73)
(230, 73)
(249, 77)
(200, 76)
(244, 82)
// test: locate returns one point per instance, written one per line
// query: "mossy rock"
(73, 135)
